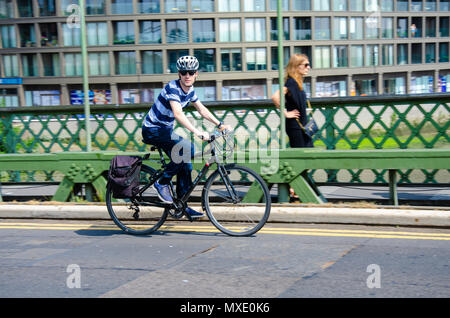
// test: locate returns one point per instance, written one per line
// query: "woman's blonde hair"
(292, 68)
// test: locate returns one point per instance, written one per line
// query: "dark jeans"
(180, 152)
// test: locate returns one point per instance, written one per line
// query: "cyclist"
(157, 129)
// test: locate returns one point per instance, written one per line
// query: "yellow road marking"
(266, 230)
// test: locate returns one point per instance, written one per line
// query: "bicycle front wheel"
(140, 217)
(236, 200)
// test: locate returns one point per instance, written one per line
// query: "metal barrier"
(277, 167)
(356, 123)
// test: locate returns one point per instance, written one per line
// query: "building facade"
(356, 47)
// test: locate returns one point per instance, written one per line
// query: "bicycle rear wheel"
(237, 201)
(138, 218)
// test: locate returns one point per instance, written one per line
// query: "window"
(49, 34)
(286, 55)
(443, 26)
(245, 89)
(302, 28)
(203, 30)
(73, 65)
(372, 27)
(172, 57)
(50, 62)
(254, 5)
(421, 83)
(340, 56)
(340, 28)
(121, 7)
(150, 32)
(321, 5)
(71, 36)
(10, 65)
(394, 84)
(387, 54)
(229, 5)
(274, 29)
(149, 6)
(9, 98)
(356, 5)
(25, 8)
(46, 97)
(47, 7)
(65, 7)
(356, 56)
(97, 33)
(443, 52)
(8, 36)
(152, 62)
(206, 91)
(430, 27)
(230, 30)
(416, 5)
(273, 5)
(356, 28)
(340, 5)
(322, 28)
(402, 5)
(387, 5)
(416, 53)
(302, 5)
(29, 65)
(7, 9)
(442, 82)
(231, 59)
(123, 32)
(365, 87)
(202, 5)
(387, 28)
(99, 64)
(402, 27)
(255, 29)
(444, 5)
(430, 5)
(416, 27)
(207, 59)
(402, 54)
(95, 7)
(430, 53)
(125, 62)
(256, 59)
(175, 6)
(371, 56)
(371, 5)
(177, 31)
(322, 57)
(331, 87)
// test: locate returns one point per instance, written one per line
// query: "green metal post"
(84, 58)
(283, 188)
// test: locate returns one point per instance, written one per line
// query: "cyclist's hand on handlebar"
(203, 136)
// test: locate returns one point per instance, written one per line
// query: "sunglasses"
(183, 73)
(306, 64)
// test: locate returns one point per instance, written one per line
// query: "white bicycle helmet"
(187, 63)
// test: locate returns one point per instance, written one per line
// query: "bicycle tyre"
(149, 218)
(242, 218)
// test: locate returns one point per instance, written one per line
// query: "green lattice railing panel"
(380, 122)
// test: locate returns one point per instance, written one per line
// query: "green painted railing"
(375, 122)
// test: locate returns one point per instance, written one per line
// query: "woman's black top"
(295, 99)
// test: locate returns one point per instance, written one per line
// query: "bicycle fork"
(226, 180)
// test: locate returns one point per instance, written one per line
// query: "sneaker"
(194, 214)
(163, 191)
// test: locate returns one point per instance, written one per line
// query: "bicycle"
(235, 198)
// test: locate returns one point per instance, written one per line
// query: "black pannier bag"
(123, 175)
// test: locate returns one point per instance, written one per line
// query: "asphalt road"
(56, 258)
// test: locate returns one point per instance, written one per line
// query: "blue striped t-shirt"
(161, 114)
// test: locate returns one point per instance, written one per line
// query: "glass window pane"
(207, 59)
(177, 31)
(322, 28)
(175, 6)
(203, 30)
(121, 7)
(152, 62)
(150, 32)
(229, 5)
(149, 6)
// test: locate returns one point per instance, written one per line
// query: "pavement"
(283, 213)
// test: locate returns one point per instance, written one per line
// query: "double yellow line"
(266, 230)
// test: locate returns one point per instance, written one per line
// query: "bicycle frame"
(185, 197)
